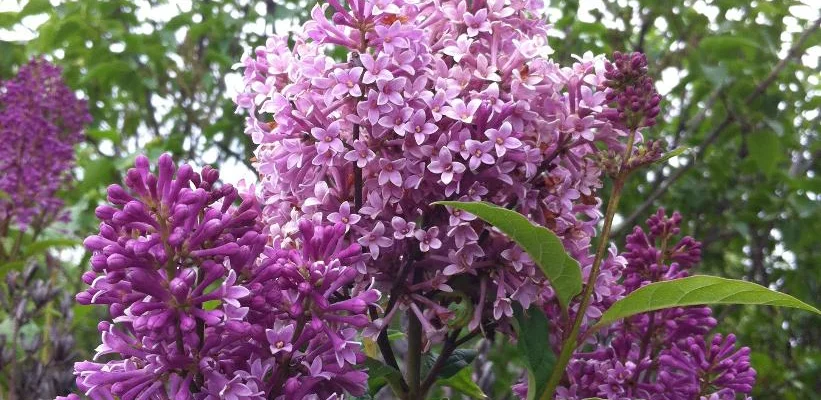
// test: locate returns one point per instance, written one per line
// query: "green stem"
(571, 340)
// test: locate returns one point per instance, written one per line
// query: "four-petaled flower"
(390, 171)
(375, 239)
(391, 36)
(401, 228)
(428, 239)
(280, 339)
(360, 153)
(444, 165)
(479, 153)
(502, 140)
(347, 82)
(477, 22)
(419, 126)
(344, 215)
(458, 110)
(328, 139)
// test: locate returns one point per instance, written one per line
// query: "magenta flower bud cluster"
(202, 308)
(666, 354)
(40, 122)
(631, 90)
(437, 100)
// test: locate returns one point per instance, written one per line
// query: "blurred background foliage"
(740, 82)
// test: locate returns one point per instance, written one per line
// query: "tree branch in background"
(794, 52)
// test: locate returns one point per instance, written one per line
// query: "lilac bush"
(270, 293)
(40, 122)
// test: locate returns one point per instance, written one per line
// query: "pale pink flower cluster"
(435, 100)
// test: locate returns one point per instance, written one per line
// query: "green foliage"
(463, 383)
(381, 374)
(533, 329)
(696, 290)
(459, 360)
(543, 246)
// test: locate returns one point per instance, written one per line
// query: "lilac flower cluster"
(203, 308)
(667, 354)
(632, 90)
(437, 100)
(40, 122)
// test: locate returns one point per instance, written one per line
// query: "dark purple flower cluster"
(202, 309)
(40, 122)
(667, 354)
(632, 91)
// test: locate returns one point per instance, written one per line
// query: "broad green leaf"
(457, 361)
(765, 150)
(380, 374)
(697, 290)
(542, 245)
(534, 346)
(463, 383)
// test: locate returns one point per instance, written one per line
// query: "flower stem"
(413, 368)
(571, 340)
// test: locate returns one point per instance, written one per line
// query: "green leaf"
(765, 150)
(728, 46)
(457, 361)
(394, 334)
(533, 344)
(110, 71)
(543, 246)
(697, 290)
(380, 374)
(34, 7)
(718, 75)
(8, 19)
(673, 153)
(42, 245)
(101, 134)
(463, 383)
(11, 266)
